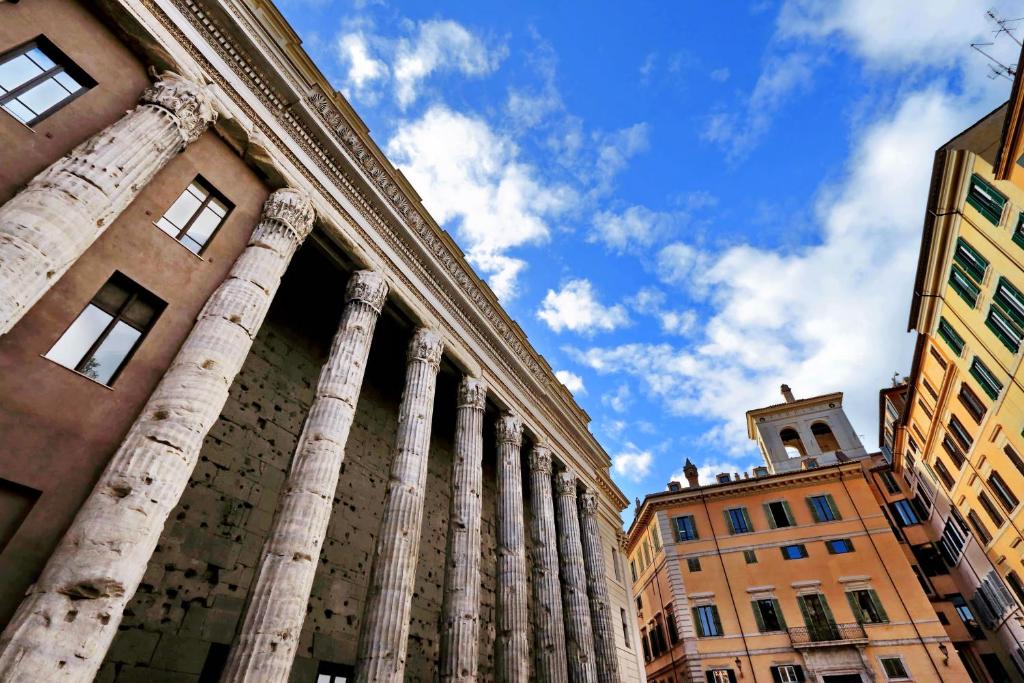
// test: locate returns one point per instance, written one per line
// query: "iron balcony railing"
(826, 634)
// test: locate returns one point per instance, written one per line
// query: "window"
(750, 557)
(639, 604)
(1004, 329)
(938, 358)
(929, 559)
(866, 607)
(797, 551)
(950, 336)
(686, 528)
(632, 569)
(893, 668)
(984, 537)
(954, 452)
(105, 335)
(986, 199)
(925, 585)
(617, 563)
(670, 620)
(738, 521)
(990, 509)
(625, 626)
(1014, 458)
(1010, 300)
(891, 485)
(964, 286)
(824, 437)
(329, 672)
(788, 673)
(693, 564)
(706, 620)
(779, 514)
(963, 610)
(1003, 493)
(195, 216)
(1018, 232)
(924, 408)
(37, 79)
(1015, 584)
(969, 400)
(646, 646)
(957, 429)
(970, 260)
(768, 615)
(839, 546)
(655, 538)
(944, 475)
(823, 508)
(792, 443)
(989, 384)
(721, 676)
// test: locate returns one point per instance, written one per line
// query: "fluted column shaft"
(265, 646)
(513, 648)
(597, 591)
(548, 620)
(63, 210)
(460, 618)
(65, 624)
(579, 636)
(383, 641)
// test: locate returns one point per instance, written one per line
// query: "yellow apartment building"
(792, 574)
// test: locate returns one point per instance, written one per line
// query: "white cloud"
(572, 382)
(635, 227)
(614, 150)
(577, 309)
(363, 69)
(618, 400)
(632, 464)
(678, 322)
(676, 264)
(473, 177)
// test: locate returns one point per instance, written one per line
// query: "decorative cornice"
(472, 393)
(427, 346)
(565, 484)
(292, 208)
(368, 287)
(189, 103)
(540, 459)
(510, 429)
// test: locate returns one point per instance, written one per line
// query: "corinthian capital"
(510, 429)
(540, 459)
(368, 287)
(565, 484)
(188, 101)
(292, 208)
(426, 346)
(472, 393)
(588, 503)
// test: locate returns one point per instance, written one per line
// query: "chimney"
(675, 486)
(787, 393)
(690, 472)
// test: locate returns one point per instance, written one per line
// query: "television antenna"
(998, 69)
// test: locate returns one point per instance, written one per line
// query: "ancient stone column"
(513, 648)
(63, 210)
(67, 620)
(460, 618)
(597, 591)
(265, 646)
(384, 638)
(579, 637)
(548, 623)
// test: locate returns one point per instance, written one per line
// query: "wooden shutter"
(776, 675)
(801, 600)
(789, 513)
(697, 623)
(778, 613)
(878, 605)
(728, 521)
(768, 514)
(858, 615)
(814, 509)
(832, 504)
(746, 519)
(757, 615)
(718, 622)
(826, 608)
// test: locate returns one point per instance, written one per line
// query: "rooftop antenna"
(1007, 26)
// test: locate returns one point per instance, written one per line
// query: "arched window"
(791, 440)
(824, 436)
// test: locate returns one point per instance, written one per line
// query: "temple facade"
(260, 419)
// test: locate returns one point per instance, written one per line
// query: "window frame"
(831, 548)
(212, 193)
(966, 288)
(691, 531)
(707, 615)
(986, 380)
(802, 549)
(972, 403)
(948, 334)
(904, 676)
(988, 212)
(823, 508)
(62, 64)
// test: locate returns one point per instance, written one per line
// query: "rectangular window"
(632, 569)
(655, 538)
(944, 475)
(990, 509)
(1014, 458)
(950, 336)
(195, 216)
(953, 450)
(705, 618)
(986, 199)
(891, 485)
(1005, 330)
(788, 673)
(989, 384)
(866, 607)
(963, 285)
(639, 604)
(937, 356)
(984, 537)
(625, 626)
(1018, 232)
(738, 521)
(105, 335)
(927, 411)
(750, 557)
(779, 514)
(894, 669)
(721, 676)
(969, 400)
(670, 621)
(823, 508)
(839, 546)
(1004, 495)
(686, 528)
(693, 564)
(1015, 584)
(617, 563)
(957, 429)
(37, 79)
(329, 672)
(972, 262)
(930, 389)
(797, 551)
(768, 615)
(929, 559)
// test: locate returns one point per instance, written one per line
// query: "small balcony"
(828, 635)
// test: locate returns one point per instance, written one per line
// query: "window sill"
(76, 372)
(178, 242)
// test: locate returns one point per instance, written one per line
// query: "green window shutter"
(968, 257)
(878, 605)
(814, 510)
(728, 522)
(768, 514)
(986, 199)
(697, 623)
(757, 615)
(832, 504)
(746, 519)
(778, 613)
(800, 600)
(855, 607)
(714, 617)
(1011, 300)
(824, 606)
(789, 513)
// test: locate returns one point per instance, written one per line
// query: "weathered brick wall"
(191, 599)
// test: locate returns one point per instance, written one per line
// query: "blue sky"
(683, 204)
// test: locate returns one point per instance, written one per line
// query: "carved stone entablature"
(565, 484)
(427, 345)
(472, 393)
(188, 101)
(510, 429)
(369, 287)
(622, 538)
(293, 209)
(588, 502)
(540, 459)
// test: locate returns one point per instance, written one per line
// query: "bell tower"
(804, 433)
